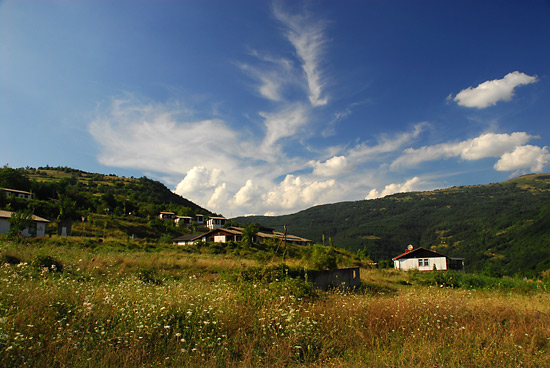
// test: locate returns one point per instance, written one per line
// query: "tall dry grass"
(137, 309)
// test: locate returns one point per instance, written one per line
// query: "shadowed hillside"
(502, 228)
(110, 205)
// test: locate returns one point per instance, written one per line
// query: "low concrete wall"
(340, 278)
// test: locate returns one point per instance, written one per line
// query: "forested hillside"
(499, 228)
(126, 206)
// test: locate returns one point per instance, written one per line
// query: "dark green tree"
(249, 234)
(14, 179)
(19, 221)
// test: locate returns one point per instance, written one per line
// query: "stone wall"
(340, 278)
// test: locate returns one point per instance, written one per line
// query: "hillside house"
(232, 233)
(215, 222)
(199, 219)
(426, 260)
(36, 228)
(291, 239)
(16, 193)
(171, 216)
(183, 220)
(187, 239)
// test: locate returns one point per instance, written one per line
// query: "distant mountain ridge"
(501, 228)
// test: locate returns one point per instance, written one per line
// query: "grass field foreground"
(70, 306)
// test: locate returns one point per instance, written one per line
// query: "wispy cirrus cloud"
(307, 37)
(271, 73)
(490, 92)
(160, 137)
(386, 144)
(284, 123)
(283, 162)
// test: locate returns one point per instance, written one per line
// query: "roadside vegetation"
(83, 303)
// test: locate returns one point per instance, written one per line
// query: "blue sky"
(258, 107)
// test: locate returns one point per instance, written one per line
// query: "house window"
(32, 229)
(423, 262)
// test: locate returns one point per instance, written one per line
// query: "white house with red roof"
(424, 259)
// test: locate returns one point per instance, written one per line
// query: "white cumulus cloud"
(219, 198)
(408, 186)
(333, 166)
(197, 179)
(295, 192)
(525, 158)
(247, 194)
(486, 145)
(490, 92)
(493, 145)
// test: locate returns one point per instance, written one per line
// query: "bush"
(323, 258)
(9, 259)
(48, 262)
(149, 276)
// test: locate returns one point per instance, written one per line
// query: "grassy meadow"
(72, 303)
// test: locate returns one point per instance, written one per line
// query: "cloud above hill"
(524, 159)
(490, 92)
(291, 148)
(483, 146)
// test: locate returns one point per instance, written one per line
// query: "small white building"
(36, 228)
(188, 239)
(167, 216)
(183, 220)
(215, 222)
(16, 193)
(426, 260)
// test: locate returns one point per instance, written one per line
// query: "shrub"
(323, 258)
(9, 259)
(149, 276)
(48, 262)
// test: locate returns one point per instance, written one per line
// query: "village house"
(183, 220)
(426, 260)
(188, 220)
(36, 228)
(215, 222)
(233, 233)
(187, 239)
(171, 216)
(16, 193)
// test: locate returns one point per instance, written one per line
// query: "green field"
(79, 303)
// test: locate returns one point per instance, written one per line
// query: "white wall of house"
(183, 220)
(215, 222)
(30, 231)
(422, 264)
(220, 239)
(185, 242)
(17, 193)
(4, 226)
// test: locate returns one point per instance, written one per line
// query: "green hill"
(110, 205)
(501, 228)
